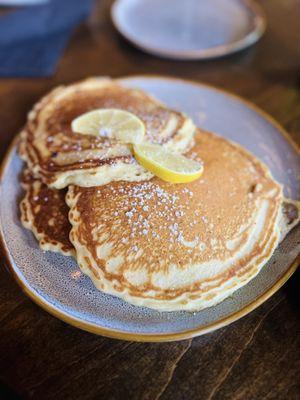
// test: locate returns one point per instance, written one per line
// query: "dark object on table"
(33, 38)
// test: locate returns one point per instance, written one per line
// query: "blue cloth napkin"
(33, 38)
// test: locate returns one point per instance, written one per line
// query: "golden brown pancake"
(45, 213)
(60, 157)
(180, 246)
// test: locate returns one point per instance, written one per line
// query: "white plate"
(189, 29)
(51, 280)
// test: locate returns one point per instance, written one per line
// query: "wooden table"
(257, 357)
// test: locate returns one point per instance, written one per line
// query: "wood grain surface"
(258, 357)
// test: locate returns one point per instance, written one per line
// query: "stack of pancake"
(152, 243)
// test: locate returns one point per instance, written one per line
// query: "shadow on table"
(292, 291)
(7, 393)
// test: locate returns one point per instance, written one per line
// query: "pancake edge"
(27, 219)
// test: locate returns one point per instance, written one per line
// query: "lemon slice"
(111, 123)
(170, 167)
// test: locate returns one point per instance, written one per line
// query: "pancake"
(185, 246)
(48, 219)
(290, 216)
(60, 157)
(45, 213)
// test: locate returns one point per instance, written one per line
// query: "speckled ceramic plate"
(54, 282)
(189, 29)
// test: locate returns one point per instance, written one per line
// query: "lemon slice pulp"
(111, 123)
(170, 167)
